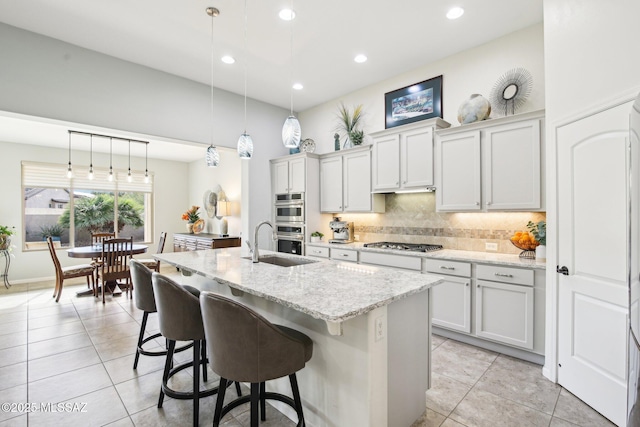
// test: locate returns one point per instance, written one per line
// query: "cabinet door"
(452, 304)
(357, 182)
(331, 184)
(458, 187)
(386, 163)
(417, 158)
(504, 313)
(280, 177)
(297, 176)
(512, 166)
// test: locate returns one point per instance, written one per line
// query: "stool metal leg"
(203, 358)
(238, 391)
(196, 382)
(222, 387)
(143, 326)
(263, 403)
(296, 398)
(255, 397)
(167, 367)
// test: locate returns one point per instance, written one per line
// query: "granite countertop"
(450, 254)
(333, 291)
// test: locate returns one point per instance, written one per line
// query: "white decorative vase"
(541, 252)
(474, 109)
(315, 239)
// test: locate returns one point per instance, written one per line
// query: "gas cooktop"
(415, 247)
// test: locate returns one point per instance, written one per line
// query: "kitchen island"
(370, 327)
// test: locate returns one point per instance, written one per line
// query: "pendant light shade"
(291, 132)
(245, 146)
(213, 157)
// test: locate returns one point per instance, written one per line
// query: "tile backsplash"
(412, 218)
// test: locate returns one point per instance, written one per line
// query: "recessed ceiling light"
(298, 86)
(287, 14)
(360, 58)
(455, 12)
(228, 59)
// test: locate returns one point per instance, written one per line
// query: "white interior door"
(592, 241)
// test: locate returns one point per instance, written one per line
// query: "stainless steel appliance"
(290, 238)
(415, 247)
(289, 207)
(342, 231)
(633, 279)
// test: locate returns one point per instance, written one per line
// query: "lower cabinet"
(452, 298)
(504, 313)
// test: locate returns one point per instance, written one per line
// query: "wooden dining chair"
(63, 273)
(153, 264)
(114, 264)
(96, 239)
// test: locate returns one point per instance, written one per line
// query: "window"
(70, 210)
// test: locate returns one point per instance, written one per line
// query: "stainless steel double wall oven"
(290, 223)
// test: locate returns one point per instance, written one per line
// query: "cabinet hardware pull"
(404, 182)
(503, 275)
(444, 267)
(477, 203)
(316, 252)
(477, 285)
(397, 182)
(466, 284)
(488, 203)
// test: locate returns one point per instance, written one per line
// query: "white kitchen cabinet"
(288, 176)
(504, 313)
(345, 182)
(403, 156)
(493, 165)
(452, 297)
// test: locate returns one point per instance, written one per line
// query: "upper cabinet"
(493, 165)
(403, 156)
(345, 182)
(288, 175)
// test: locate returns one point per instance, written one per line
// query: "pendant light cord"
(291, 82)
(246, 59)
(212, 115)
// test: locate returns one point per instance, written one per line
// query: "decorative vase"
(336, 142)
(315, 239)
(5, 241)
(190, 227)
(347, 143)
(541, 252)
(474, 109)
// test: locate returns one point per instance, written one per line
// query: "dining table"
(95, 251)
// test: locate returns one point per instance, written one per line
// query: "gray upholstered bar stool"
(145, 301)
(181, 320)
(246, 347)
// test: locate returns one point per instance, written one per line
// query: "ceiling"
(175, 37)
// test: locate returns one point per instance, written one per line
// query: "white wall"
(472, 71)
(171, 199)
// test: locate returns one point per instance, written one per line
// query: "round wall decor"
(511, 91)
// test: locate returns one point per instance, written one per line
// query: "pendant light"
(110, 177)
(90, 176)
(146, 160)
(212, 158)
(129, 177)
(291, 129)
(245, 143)
(69, 170)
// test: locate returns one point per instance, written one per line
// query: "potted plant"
(5, 236)
(55, 231)
(316, 236)
(349, 125)
(191, 215)
(539, 231)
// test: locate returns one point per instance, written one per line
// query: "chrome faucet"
(255, 255)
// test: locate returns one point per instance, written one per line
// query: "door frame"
(550, 368)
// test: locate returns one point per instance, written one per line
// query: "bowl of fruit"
(525, 241)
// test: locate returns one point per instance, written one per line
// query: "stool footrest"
(185, 394)
(246, 399)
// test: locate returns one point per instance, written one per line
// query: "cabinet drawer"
(454, 268)
(344, 254)
(318, 252)
(497, 273)
(398, 261)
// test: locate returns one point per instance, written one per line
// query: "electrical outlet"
(491, 246)
(356, 237)
(379, 328)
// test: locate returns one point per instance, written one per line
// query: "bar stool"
(145, 301)
(246, 347)
(181, 320)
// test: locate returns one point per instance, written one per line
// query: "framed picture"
(413, 103)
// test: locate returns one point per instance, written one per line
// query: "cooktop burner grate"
(416, 247)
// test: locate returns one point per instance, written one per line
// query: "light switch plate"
(491, 246)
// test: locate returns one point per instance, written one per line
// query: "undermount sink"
(283, 261)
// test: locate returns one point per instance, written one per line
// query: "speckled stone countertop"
(451, 254)
(329, 290)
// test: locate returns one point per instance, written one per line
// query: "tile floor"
(80, 351)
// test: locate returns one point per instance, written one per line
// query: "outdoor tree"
(97, 213)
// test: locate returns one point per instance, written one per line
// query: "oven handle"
(292, 237)
(289, 204)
